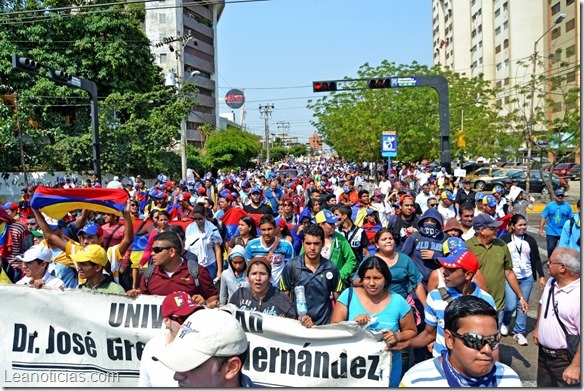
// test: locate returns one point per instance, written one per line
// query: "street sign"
(388, 144)
(411, 81)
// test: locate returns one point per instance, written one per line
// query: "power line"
(33, 19)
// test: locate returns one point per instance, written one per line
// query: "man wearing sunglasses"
(556, 213)
(472, 338)
(175, 309)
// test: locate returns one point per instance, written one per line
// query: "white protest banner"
(58, 339)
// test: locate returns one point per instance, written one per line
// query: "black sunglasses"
(157, 250)
(477, 341)
(177, 319)
(560, 195)
(432, 205)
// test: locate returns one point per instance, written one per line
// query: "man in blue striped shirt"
(472, 338)
(458, 269)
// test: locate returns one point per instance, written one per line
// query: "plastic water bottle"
(300, 301)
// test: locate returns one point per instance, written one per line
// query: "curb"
(539, 207)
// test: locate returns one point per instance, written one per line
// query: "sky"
(273, 50)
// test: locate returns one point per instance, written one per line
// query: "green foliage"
(278, 153)
(298, 150)
(139, 118)
(232, 148)
(352, 122)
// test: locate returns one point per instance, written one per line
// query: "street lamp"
(557, 20)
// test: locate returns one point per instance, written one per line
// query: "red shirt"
(182, 280)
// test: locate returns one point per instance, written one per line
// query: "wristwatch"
(521, 298)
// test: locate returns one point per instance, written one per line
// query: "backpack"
(192, 264)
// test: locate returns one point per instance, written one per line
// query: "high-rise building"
(561, 48)
(186, 34)
(495, 39)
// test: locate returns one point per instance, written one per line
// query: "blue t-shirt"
(556, 215)
(388, 318)
(282, 254)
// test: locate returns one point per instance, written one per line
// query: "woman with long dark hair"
(247, 231)
(376, 306)
(526, 266)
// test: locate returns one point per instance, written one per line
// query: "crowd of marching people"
(321, 241)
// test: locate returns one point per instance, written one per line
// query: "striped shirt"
(281, 255)
(434, 312)
(429, 373)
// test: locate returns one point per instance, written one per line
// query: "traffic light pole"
(35, 68)
(437, 82)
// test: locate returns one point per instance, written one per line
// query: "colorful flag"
(231, 220)
(56, 202)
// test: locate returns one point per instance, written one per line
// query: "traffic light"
(460, 142)
(60, 76)
(379, 83)
(324, 86)
(25, 64)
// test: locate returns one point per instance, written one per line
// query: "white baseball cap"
(38, 251)
(206, 333)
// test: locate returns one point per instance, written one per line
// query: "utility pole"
(265, 112)
(284, 128)
(22, 160)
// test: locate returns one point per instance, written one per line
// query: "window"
(473, 49)
(556, 8)
(556, 32)
(569, 2)
(499, 84)
(505, 5)
(505, 25)
(161, 18)
(507, 81)
(497, 12)
(570, 25)
(480, 44)
(473, 65)
(474, 33)
(498, 30)
(480, 29)
(499, 66)
(163, 58)
(505, 44)
(506, 63)
(480, 61)
(571, 77)
(497, 49)
(570, 51)
(557, 106)
(499, 102)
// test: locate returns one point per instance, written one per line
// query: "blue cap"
(256, 189)
(490, 201)
(346, 189)
(60, 224)
(559, 192)
(479, 196)
(447, 194)
(370, 211)
(91, 229)
(498, 190)
(326, 216)
(453, 246)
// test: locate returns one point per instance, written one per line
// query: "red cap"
(465, 260)
(202, 190)
(186, 196)
(169, 185)
(179, 304)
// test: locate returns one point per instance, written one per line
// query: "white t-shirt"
(154, 373)
(49, 280)
(385, 187)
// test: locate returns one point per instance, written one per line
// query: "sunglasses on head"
(157, 250)
(477, 341)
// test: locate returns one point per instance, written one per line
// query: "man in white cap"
(209, 350)
(115, 183)
(35, 263)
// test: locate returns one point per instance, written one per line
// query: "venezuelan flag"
(56, 203)
(503, 227)
(138, 247)
(231, 220)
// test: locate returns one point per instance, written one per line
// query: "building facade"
(184, 39)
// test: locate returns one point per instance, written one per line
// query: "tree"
(544, 109)
(352, 122)
(232, 148)
(105, 45)
(298, 150)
